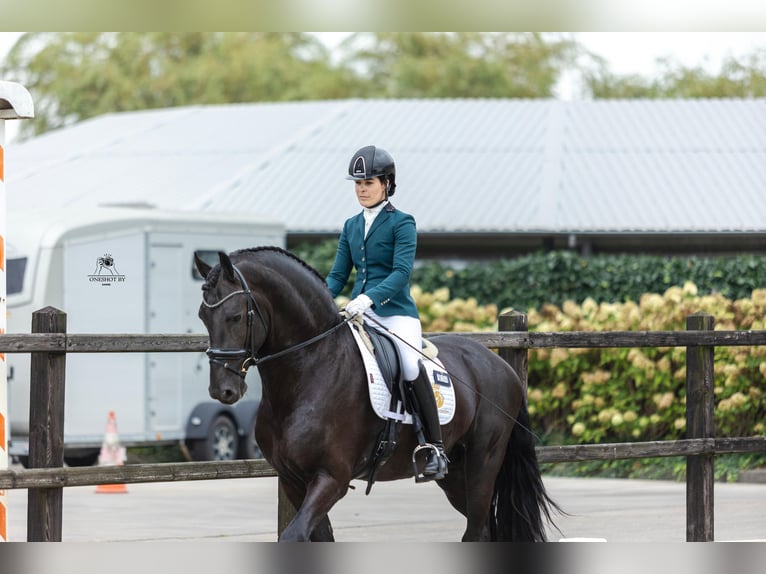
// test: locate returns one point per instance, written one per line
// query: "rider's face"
(370, 192)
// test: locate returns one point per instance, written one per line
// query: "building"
(486, 178)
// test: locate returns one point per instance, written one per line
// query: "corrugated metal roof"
(463, 165)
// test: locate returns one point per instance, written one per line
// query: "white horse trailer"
(127, 270)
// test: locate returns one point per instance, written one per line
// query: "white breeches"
(409, 329)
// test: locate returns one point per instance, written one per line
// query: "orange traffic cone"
(112, 454)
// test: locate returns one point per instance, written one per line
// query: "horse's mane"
(212, 277)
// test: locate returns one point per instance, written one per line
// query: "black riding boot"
(436, 466)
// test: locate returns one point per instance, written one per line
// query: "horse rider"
(380, 242)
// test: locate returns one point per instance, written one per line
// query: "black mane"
(212, 277)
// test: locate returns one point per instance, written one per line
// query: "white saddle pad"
(380, 396)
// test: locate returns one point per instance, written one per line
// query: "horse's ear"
(201, 266)
(226, 265)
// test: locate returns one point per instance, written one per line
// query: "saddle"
(393, 400)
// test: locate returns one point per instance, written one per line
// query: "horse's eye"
(234, 318)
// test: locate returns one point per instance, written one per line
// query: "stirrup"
(442, 472)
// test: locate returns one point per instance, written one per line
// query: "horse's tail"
(521, 506)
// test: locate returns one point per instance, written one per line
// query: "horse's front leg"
(311, 521)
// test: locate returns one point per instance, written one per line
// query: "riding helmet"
(369, 162)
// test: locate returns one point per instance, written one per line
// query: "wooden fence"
(49, 344)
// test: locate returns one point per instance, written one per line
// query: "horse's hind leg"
(482, 466)
(469, 492)
(311, 521)
(454, 486)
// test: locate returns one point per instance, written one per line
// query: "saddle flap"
(387, 356)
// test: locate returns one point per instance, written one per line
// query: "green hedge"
(639, 394)
(531, 281)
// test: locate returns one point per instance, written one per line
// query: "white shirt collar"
(370, 214)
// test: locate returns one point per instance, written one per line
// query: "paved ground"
(246, 510)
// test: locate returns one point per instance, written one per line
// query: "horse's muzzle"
(227, 394)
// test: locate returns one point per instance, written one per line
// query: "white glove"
(358, 305)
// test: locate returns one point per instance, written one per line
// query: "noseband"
(247, 353)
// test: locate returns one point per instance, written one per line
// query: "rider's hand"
(358, 305)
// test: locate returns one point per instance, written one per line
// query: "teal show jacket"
(383, 261)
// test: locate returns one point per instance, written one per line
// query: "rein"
(299, 346)
(222, 356)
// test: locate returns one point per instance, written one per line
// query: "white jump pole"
(15, 103)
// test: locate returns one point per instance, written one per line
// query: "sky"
(626, 52)
(636, 52)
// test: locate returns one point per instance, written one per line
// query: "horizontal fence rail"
(106, 343)
(49, 343)
(117, 343)
(134, 473)
(181, 471)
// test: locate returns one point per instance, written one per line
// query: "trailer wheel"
(249, 446)
(221, 442)
(82, 457)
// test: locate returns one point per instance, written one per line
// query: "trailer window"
(15, 276)
(209, 256)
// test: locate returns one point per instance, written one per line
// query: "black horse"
(266, 307)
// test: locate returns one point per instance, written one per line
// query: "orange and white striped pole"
(15, 103)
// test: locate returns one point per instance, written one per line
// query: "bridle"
(223, 356)
(248, 353)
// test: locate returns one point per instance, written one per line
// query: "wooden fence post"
(517, 358)
(285, 510)
(46, 429)
(700, 475)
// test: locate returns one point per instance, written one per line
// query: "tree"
(737, 78)
(459, 64)
(74, 76)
